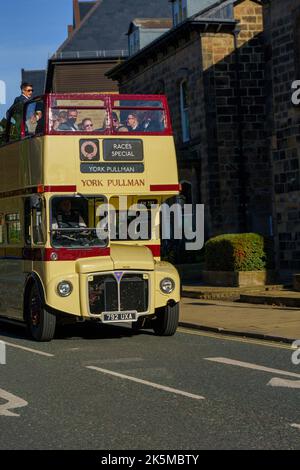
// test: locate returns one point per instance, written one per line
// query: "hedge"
(238, 252)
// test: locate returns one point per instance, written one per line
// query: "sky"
(30, 30)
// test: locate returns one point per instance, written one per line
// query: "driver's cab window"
(74, 222)
(34, 118)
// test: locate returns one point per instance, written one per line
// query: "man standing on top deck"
(26, 95)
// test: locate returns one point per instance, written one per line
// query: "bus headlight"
(64, 288)
(167, 285)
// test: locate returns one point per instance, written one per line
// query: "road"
(110, 388)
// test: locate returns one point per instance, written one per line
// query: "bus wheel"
(41, 324)
(167, 320)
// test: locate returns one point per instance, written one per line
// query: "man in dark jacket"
(26, 95)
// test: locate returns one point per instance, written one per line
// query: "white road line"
(145, 382)
(276, 382)
(294, 425)
(41, 353)
(12, 402)
(248, 365)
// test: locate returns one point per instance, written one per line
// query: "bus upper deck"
(90, 143)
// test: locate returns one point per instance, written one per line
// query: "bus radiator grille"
(107, 295)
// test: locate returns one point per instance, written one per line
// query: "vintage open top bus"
(62, 159)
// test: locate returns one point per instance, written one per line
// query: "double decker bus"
(64, 158)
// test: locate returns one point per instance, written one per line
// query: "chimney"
(70, 29)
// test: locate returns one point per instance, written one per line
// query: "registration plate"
(110, 317)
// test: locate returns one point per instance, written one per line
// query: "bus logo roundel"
(89, 150)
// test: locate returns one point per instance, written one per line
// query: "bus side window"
(14, 230)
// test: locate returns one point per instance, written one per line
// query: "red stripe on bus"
(165, 187)
(57, 189)
(155, 250)
(65, 254)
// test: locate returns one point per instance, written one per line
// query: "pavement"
(268, 322)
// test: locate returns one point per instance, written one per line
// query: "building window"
(13, 228)
(134, 42)
(184, 111)
(176, 14)
(184, 10)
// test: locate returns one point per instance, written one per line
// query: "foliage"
(238, 252)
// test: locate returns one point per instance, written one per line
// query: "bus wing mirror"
(36, 203)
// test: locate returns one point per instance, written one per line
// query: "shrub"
(238, 252)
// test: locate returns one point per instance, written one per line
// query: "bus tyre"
(41, 324)
(167, 320)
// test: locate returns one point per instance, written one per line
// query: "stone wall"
(282, 26)
(227, 159)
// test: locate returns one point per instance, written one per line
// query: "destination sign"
(123, 150)
(112, 168)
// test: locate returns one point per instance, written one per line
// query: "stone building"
(211, 67)
(282, 32)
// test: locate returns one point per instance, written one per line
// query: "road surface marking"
(294, 425)
(12, 402)
(145, 382)
(121, 360)
(42, 353)
(228, 337)
(248, 365)
(2, 353)
(276, 382)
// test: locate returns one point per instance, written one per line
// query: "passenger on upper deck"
(27, 90)
(117, 125)
(87, 125)
(133, 123)
(70, 124)
(26, 95)
(151, 123)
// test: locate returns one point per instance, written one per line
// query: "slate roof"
(106, 24)
(84, 8)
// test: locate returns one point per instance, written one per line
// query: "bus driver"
(66, 217)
